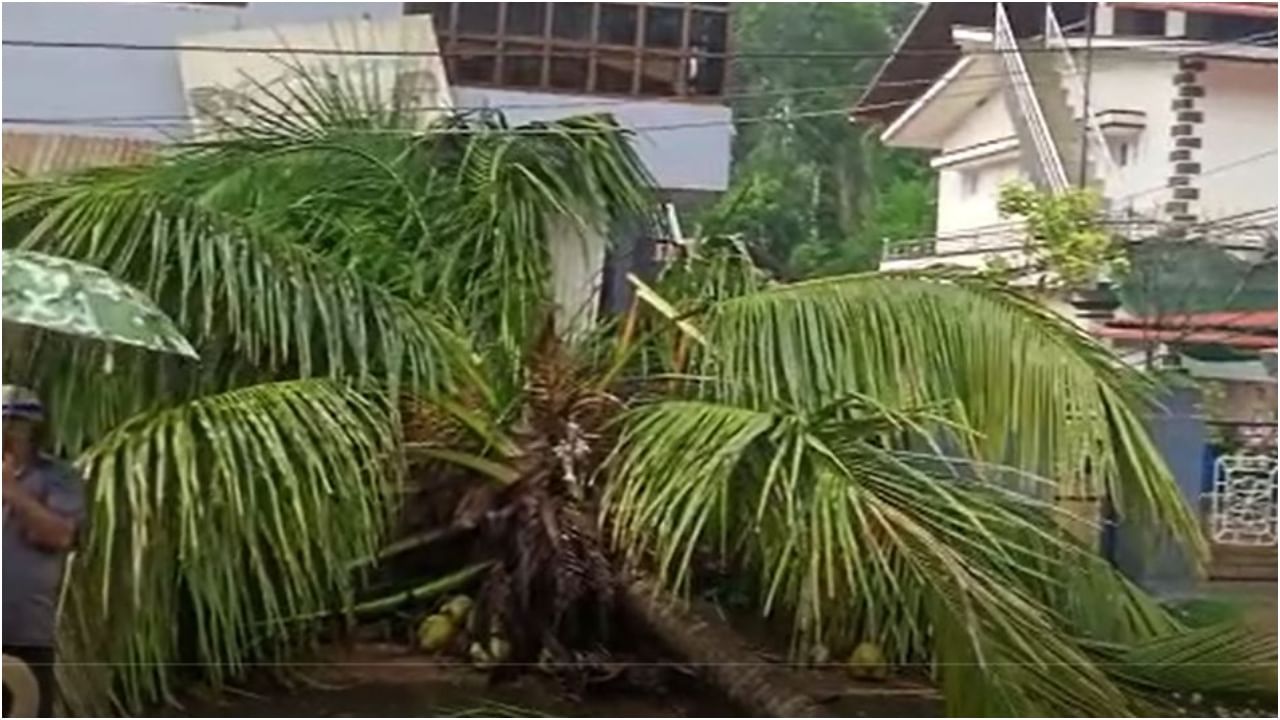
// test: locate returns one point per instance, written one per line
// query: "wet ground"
(386, 681)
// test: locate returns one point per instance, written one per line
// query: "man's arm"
(51, 528)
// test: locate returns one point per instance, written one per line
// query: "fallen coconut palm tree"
(875, 456)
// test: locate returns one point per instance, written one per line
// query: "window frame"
(592, 50)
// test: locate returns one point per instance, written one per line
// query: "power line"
(775, 117)
(1203, 173)
(1230, 222)
(110, 120)
(125, 121)
(932, 51)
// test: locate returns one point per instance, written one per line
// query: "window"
(1130, 21)
(612, 48)
(969, 183)
(618, 23)
(1231, 28)
(527, 19)
(572, 21)
(663, 27)
(478, 18)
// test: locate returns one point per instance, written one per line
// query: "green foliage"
(816, 194)
(1170, 276)
(323, 265)
(877, 454)
(1064, 233)
(859, 449)
(213, 523)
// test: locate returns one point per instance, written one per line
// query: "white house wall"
(1239, 122)
(989, 120)
(959, 211)
(97, 83)
(1137, 82)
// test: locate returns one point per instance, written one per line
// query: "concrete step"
(1242, 562)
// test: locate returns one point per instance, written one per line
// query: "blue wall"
(1181, 436)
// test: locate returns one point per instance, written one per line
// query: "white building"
(104, 81)
(1181, 99)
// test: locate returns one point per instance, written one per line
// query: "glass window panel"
(569, 69)
(526, 18)
(473, 61)
(614, 71)
(478, 18)
(663, 27)
(618, 24)
(522, 65)
(707, 31)
(1139, 22)
(571, 21)
(660, 76)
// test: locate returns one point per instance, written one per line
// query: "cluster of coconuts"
(437, 632)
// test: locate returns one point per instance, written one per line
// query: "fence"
(43, 153)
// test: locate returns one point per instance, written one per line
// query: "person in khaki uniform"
(44, 510)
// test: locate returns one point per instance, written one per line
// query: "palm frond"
(215, 521)
(1038, 393)
(255, 305)
(854, 541)
(1224, 661)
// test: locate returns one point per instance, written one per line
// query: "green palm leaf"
(1039, 394)
(255, 305)
(215, 521)
(853, 541)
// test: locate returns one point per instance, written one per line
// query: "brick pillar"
(1188, 123)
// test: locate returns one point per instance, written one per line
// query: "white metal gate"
(1244, 500)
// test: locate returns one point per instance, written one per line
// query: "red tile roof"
(1251, 9)
(1227, 319)
(1251, 329)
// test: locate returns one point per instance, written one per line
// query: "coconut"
(435, 632)
(457, 607)
(499, 649)
(867, 662)
(479, 655)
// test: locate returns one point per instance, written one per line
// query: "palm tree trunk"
(719, 654)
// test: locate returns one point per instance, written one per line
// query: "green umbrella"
(70, 297)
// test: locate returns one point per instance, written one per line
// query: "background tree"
(814, 193)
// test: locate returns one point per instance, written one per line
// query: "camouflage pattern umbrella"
(70, 297)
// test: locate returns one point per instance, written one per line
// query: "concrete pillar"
(577, 248)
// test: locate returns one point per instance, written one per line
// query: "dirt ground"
(384, 680)
(1256, 601)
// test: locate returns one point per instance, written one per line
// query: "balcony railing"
(1252, 232)
(1004, 237)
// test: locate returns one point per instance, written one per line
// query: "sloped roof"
(925, 52)
(926, 49)
(1248, 329)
